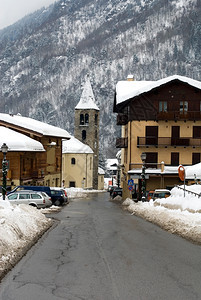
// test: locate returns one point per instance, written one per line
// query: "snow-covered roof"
(87, 100)
(101, 171)
(34, 125)
(111, 164)
(17, 141)
(128, 89)
(75, 146)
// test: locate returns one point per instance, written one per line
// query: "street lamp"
(118, 156)
(143, 158)
(4, 150)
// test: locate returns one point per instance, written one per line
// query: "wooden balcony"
(176, 115)
(122, 119)
(167, 141)
(122, 143)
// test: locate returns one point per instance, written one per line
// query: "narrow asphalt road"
(97, 251)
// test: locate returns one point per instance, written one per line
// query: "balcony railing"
(122, 119)
(176, 115)
(167, 141)
(147, 165)
(122, 143)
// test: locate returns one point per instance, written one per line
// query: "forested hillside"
(45, 57)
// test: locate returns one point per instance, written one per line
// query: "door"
(175, 159)
(196, 132)
(195, 158)
(151, 135)
(151, 160)
(175, 135)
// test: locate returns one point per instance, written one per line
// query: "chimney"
(130, 78)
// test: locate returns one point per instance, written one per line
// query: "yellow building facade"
(163, 120)
(77, 164)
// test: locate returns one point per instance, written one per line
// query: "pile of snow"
(75, 193)
(183, 200)
(177, 214)
(20, 227)
(117, 199)
(79, 192)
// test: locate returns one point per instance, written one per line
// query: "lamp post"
(143, 158)
(4, 150)
(118, 169)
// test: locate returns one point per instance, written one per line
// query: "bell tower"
(87, 125)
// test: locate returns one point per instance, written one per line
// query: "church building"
(87, 125)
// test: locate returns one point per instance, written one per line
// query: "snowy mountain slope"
(45, 57)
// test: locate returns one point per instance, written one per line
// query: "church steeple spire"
(87, 100)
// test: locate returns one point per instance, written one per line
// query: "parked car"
(117, 191)
(36, 199)
(59, 196)
(111, 189)
(65, 196)
(45, 189)
(161, 193)
(150, 195)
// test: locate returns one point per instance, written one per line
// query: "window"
(35, 196)
(72, 161)
(174, 158)
(151, 159)
(86, 119)
(195, 158)
(90, 163)
(151, 135)
(81, 119)
(24, 196)
(96, 119)
(72, 184)
(57, 163)
(183, 107)
(196, 132)
(12, 197)
(84, 135)
(162, 106)
(175, 138)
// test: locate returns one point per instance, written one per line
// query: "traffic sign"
(130, 182)
(130, 187)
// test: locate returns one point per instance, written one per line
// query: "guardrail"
(189, 192)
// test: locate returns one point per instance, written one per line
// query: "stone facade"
(87, 131)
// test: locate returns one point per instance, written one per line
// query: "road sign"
(130, 187)
(130, 182)
(181, 171)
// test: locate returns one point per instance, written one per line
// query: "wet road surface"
(97, 251)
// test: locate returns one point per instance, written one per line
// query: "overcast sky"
(13, 10)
